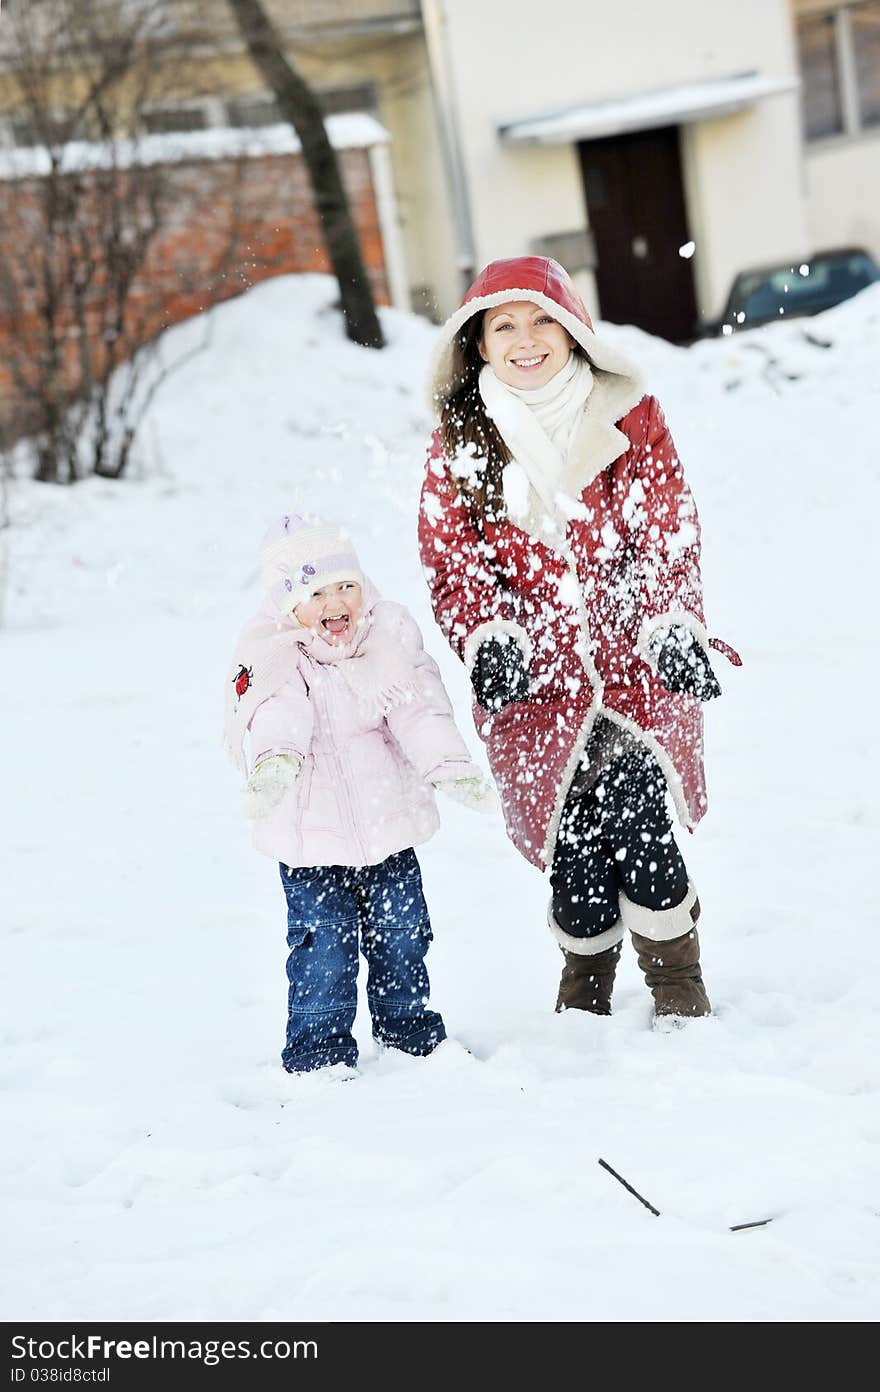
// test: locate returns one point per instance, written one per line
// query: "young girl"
(561, 546)
(350, 731)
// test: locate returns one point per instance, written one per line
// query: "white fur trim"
(496, 628)
(673, 781)
(598, 441)
(600, 354)
(585, 947)
(670, 773)
(580, 744)
(659, 925)
(583, 733)
(673, 616)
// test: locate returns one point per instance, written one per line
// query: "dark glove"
(499, 674)
(682, 664)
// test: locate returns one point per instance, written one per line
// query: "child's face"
(333, 611)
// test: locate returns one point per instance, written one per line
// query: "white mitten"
(477, 793)
(268, 784)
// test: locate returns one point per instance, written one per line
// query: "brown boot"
(587, 981)
(672, 970)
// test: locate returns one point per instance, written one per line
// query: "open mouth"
(335, 624)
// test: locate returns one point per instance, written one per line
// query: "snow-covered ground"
(157, 1161)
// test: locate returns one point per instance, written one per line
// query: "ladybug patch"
(242, 680)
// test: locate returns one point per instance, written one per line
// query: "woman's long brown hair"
(466, 428)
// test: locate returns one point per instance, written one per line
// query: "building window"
(262, 109)
(865, 22)
(252, 112)
(24, 131)
(820, 77)
(360, 96)
(159, 120)
(57, 127)
(839, 53)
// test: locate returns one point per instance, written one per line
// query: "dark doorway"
(635, 203)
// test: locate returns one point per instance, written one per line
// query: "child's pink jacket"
(363, 791)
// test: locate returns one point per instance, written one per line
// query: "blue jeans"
(328, 908)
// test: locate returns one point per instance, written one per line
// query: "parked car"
(764, 295)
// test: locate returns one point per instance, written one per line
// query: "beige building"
(656, 148)
(839, 65)
(660, 148)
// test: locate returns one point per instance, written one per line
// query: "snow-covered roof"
(693, 101)
(347, 131)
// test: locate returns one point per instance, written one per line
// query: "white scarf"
(538, 427)
(271, 649)
(374, 665)
(558, 404)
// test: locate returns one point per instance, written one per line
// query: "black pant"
(618, 836)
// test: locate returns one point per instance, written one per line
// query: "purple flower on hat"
(307, 570)
(288, 584)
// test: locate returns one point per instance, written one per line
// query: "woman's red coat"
(636, 556)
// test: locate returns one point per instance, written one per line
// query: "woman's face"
(523, 344)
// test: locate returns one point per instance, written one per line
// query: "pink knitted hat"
(300, 555)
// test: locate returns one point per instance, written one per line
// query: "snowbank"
(159, 1163)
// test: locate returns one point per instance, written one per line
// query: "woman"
(560, 542)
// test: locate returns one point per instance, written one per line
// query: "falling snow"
(159, 1164)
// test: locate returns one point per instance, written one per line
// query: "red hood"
(537, 274)
(544, 281)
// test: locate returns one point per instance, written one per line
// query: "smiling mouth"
(529, 362)
(335, 624)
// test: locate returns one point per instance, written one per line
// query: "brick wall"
(227, 224)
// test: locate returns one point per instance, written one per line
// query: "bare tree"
(80, 318)
(300, 107)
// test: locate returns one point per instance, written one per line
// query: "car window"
(799, 289)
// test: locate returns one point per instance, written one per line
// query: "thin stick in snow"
(737, 1227)
(621, 1180)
